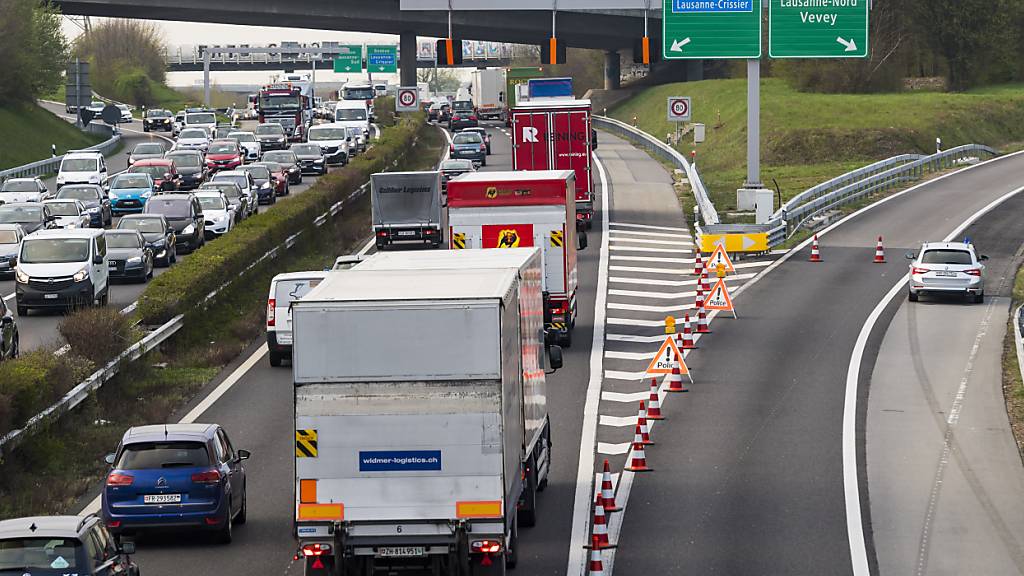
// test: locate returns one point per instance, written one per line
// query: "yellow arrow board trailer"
(424, 389)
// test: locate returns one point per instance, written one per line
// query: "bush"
(34, 381)
(384, 111)
(97, 334)
(187, 284)
(135, 86)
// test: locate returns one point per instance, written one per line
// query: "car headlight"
(135, 260)
(147, 194)
(189, 229)
(21, 277)
(281, 139)
(318, 161)
(71, 225)
(80, 275)
(265, 186)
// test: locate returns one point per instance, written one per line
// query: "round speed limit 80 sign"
(407, 99)
(678, 108)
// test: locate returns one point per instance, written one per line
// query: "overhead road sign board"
(349, 58)
(407, 99)
(382, 58)
(735, 242)
(818, 28)
(711, 29)
(678, 108)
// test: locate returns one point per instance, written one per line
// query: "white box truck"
(421, 423)
(487, 87)
(406, 208)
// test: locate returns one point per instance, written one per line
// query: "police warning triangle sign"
(665, 358)
(719, 299)
(720, 256)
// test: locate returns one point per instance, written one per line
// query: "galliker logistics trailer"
(514, 77)
(487, 91)
(420, 417)
(554, 134)
(406, 208)
(521, 209)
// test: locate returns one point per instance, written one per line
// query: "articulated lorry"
(406, 209)
(513, 78)
(488, 88)
(421, 424)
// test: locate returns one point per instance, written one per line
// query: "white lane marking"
(656, 295)
(678, 242)
(627, 235)
(617, 421)
(645, 270)
(628, 355)
(636, 322)
(93, 507)
(9, 296)
(639, 339)
(627, 398)
(648, 227)
(851, 483)
(620, 248)
(646, 308)
(367, 247)
(673, 283)
(652, 259)
(588, 436)
(612, 449)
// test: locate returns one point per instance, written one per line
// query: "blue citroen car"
(130, 191)
(175, 476)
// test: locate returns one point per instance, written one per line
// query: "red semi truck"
(555, 134)
(520, 210)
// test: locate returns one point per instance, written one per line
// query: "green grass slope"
(28, 131)
(809, 138)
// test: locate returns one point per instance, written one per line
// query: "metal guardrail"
(645, 141)
(51, 165)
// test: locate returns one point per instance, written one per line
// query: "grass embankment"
(1013, 386)
(810, 138)
(29, 130)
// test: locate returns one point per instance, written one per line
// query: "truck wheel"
(565, 339)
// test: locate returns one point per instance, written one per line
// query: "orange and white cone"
(643, 434)
(687, 336)
(600, 529)
(815, 255)
(675, 380)
(654, 403)
(698, 264)
(879, 252)
(638, 460)
(704, 282)
(698, 301)
(596, 565)
(607, 491)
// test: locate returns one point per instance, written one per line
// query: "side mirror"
(910, 255)
(243, 454)
(555, 357)
(97, 259)
(109, 458)
(128, 548)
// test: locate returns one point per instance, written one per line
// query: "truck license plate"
(161, 498)
(401, 551)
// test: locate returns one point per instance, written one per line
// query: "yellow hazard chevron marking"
(556, 238)
(459, 240)
(305, 444)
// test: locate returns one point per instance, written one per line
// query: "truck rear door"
(530, 132)
(571, 147)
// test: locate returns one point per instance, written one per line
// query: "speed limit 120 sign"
(678, 108)
(407, 99)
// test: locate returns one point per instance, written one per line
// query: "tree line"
(33, 51)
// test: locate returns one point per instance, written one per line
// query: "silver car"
(947, 267)
(70, 214)
(145, 150)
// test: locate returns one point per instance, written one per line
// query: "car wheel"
(275, 358)
(226, 533)
(912, 296)
(240, 519)
(979, 298)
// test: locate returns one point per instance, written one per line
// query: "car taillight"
(271, 312)
(208, 477)
(472, 117)
(452, 148)
(488, 546)
(383, 233)
(113, 523)
(118, 479)
(916, 270)
(429, 231)
(455, 117)
(973, 272)
(316, 549)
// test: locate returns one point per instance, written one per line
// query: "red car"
(224, 155)
(165, 176)
(280, 176)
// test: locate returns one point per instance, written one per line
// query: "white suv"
(82, 167)
(947, 267)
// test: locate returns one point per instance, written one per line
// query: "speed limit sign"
(678, 108)
(407, 99)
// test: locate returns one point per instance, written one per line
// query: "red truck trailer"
(555, 134)
(520, 210)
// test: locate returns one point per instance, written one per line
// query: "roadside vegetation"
(1013, 386)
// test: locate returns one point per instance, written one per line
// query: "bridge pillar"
(612, 70)
(407, 58)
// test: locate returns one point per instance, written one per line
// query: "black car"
(237, 200)
(53, 545)
(157, 232)
(287, 160)
(483, 134)
(452, 168)
(271, 136)
(8, 333)
(264, 185)
(128, 256)
(185, 216)
(158, 119)
(310, 158)
(191, 168)
(31, 215)
(96, 201)
(463, 115)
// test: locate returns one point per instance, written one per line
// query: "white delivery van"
(284, 290)
(61, 269)
(353, 113)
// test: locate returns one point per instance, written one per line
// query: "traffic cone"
(815, 255)
(600, 529)
(638, 460)
(675, 380)
(641, 425)
(596, 565)
(654, 403)
(699, 300)
(879, 252)
(702, 319)
(704, 283)
(607, 492)
(687, 336)
(698, 265)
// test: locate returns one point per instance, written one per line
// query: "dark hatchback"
(96, 201)
(190, 167)
(288, 161)
(128, 256)
(158, 119)
(158, 233)
(185, 216)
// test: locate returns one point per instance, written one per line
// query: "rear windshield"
(293, 289)
(54, 250)
(467, 138)
(237, 179)
(282, 157)
(223, 148)
(123, 241)
(175, 208)
(149, 455)
(141, 224)
(20, 186)
(30, 555)
(270, 129)
(947, 257)
(148, 148)
(462, 106)
(63, 208)
(201, 118)
(131, 181)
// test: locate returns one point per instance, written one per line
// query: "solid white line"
(628, 355)
(588, 436)
(653, 259)
(683, 240)
(627, 398)
(673, 283)
(656, 295)
(612, 449)
(9, 296)
(641, 269)
(627, 235)
(647, 227)
(646, 308)
(639, 339)
(367, 247)
(617, 421)
(648, 249)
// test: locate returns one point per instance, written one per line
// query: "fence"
(51, 165)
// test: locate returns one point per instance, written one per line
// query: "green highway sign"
(382, 58)
(818, 28)
(349, 58)
(711, 29)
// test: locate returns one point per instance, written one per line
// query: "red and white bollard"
(815, 254)
(879, 252)
(654, 402)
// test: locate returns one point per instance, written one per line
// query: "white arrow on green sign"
(711, 29)
(349, 58)
(818, 28)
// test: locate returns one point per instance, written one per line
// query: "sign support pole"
(206, 78)
(753, 124)
(78, 95)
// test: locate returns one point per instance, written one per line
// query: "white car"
(357, 140)
(248, 141)
(126, 113)
(244, 180)
(220, 218)
(23, 190)
(70, 214)
(947, 267)
(82, 167)
(179, 124)
(285, 289)
(353, 113)
(96, 107)
(333, 140)
(207, 120)
(62, 268)
(193, 139)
